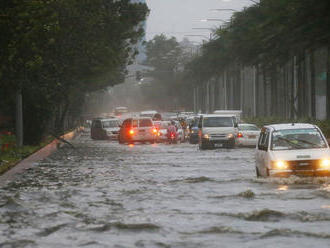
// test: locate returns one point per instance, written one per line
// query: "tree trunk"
(292, 97)
(265, 91)
(328, 83)
(274, 107)
(312, 68)
(19, 119)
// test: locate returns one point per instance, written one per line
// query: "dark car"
(102, 129)
(193, 131)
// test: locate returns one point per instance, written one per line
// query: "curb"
(39, 155)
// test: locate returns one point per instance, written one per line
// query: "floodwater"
(102, 194)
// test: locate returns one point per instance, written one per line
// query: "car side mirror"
(199, 125)
(236, 125)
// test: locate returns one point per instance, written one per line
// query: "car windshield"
(109, 124)
(297, 139)
(145, 123)
(218, 122)
(248, 128)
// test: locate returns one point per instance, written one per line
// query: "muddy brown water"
(103, 194)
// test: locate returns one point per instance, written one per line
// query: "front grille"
(115, 132)
(217, 136)
(304, 164)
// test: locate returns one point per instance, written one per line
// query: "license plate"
(218, 145)
(141, 131)
(304, 164)
(252, 136)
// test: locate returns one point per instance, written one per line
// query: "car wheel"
(257, 172)
(203, 146)
(231, 144)
(152, 142)
(267, 172)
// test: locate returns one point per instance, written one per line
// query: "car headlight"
(230, 136)
(280, 165)
(192, 131)
(206, 136)
(325, 164)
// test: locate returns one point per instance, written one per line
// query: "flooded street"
(103, 194)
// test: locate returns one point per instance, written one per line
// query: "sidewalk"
(41, 154)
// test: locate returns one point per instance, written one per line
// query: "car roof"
(110, 119)
(247, 124)
(149, 112)
(285, 126)
(217, 115)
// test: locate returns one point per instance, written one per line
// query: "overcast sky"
(179, 17)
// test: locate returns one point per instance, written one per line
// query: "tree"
(57, 50)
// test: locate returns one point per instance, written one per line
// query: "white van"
(148, 113)
(217, 131)
(236, 113)
(296, 148)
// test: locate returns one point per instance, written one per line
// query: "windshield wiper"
(310, 143)
(290, 142)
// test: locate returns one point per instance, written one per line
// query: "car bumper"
(218, 140)
(307, 173)
(145, 137)
(246, 142)
(193, 138)
(113, 137)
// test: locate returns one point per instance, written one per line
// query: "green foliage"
(58, 50)
(324, 125)
(265, 34)
(165, 56)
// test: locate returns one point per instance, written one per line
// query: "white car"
(247, 135)
(112, 127)
(162, 130)
(216, 131)
(137, 130)
(297, 148)
(148, 114)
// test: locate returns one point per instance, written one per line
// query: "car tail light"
(131, 132)
(155, 131)
(239, 135)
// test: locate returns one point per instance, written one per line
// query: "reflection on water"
(283, 188)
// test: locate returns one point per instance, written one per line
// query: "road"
(102, 194)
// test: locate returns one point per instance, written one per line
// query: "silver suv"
(217, 131)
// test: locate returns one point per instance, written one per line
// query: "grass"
(11, 157)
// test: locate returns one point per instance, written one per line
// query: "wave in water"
(269, 215)
(289, 232)
(293, 180)
(125, 226)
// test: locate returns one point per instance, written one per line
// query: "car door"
(123, 133)
(96, 130)
(262, 151)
